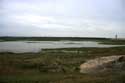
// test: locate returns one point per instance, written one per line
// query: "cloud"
(98, 18)
(62, 26)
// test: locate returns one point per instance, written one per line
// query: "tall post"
(116, 36)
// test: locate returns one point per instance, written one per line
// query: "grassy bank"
(56, 66)
(113, 42)
(50, 38)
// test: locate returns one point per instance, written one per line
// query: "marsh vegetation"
(56, 65)
(59, 65)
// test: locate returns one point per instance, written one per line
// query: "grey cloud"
(98, 18)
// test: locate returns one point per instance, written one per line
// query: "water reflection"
(36, 46)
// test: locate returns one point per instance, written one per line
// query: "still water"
(36, 46)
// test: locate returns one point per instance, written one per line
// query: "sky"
(62, 18)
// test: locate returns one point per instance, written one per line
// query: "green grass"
(56, 66)
(63, 78)
(113, 42)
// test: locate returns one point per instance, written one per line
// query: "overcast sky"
(79, 18)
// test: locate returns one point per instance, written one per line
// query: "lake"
(36, 46)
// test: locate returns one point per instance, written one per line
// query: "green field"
(56, 66)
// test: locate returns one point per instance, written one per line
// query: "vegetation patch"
(56, 65)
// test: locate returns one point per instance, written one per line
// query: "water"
(36, 46)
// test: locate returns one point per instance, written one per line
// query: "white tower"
(116, 36)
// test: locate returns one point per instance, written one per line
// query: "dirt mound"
(109, 63)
